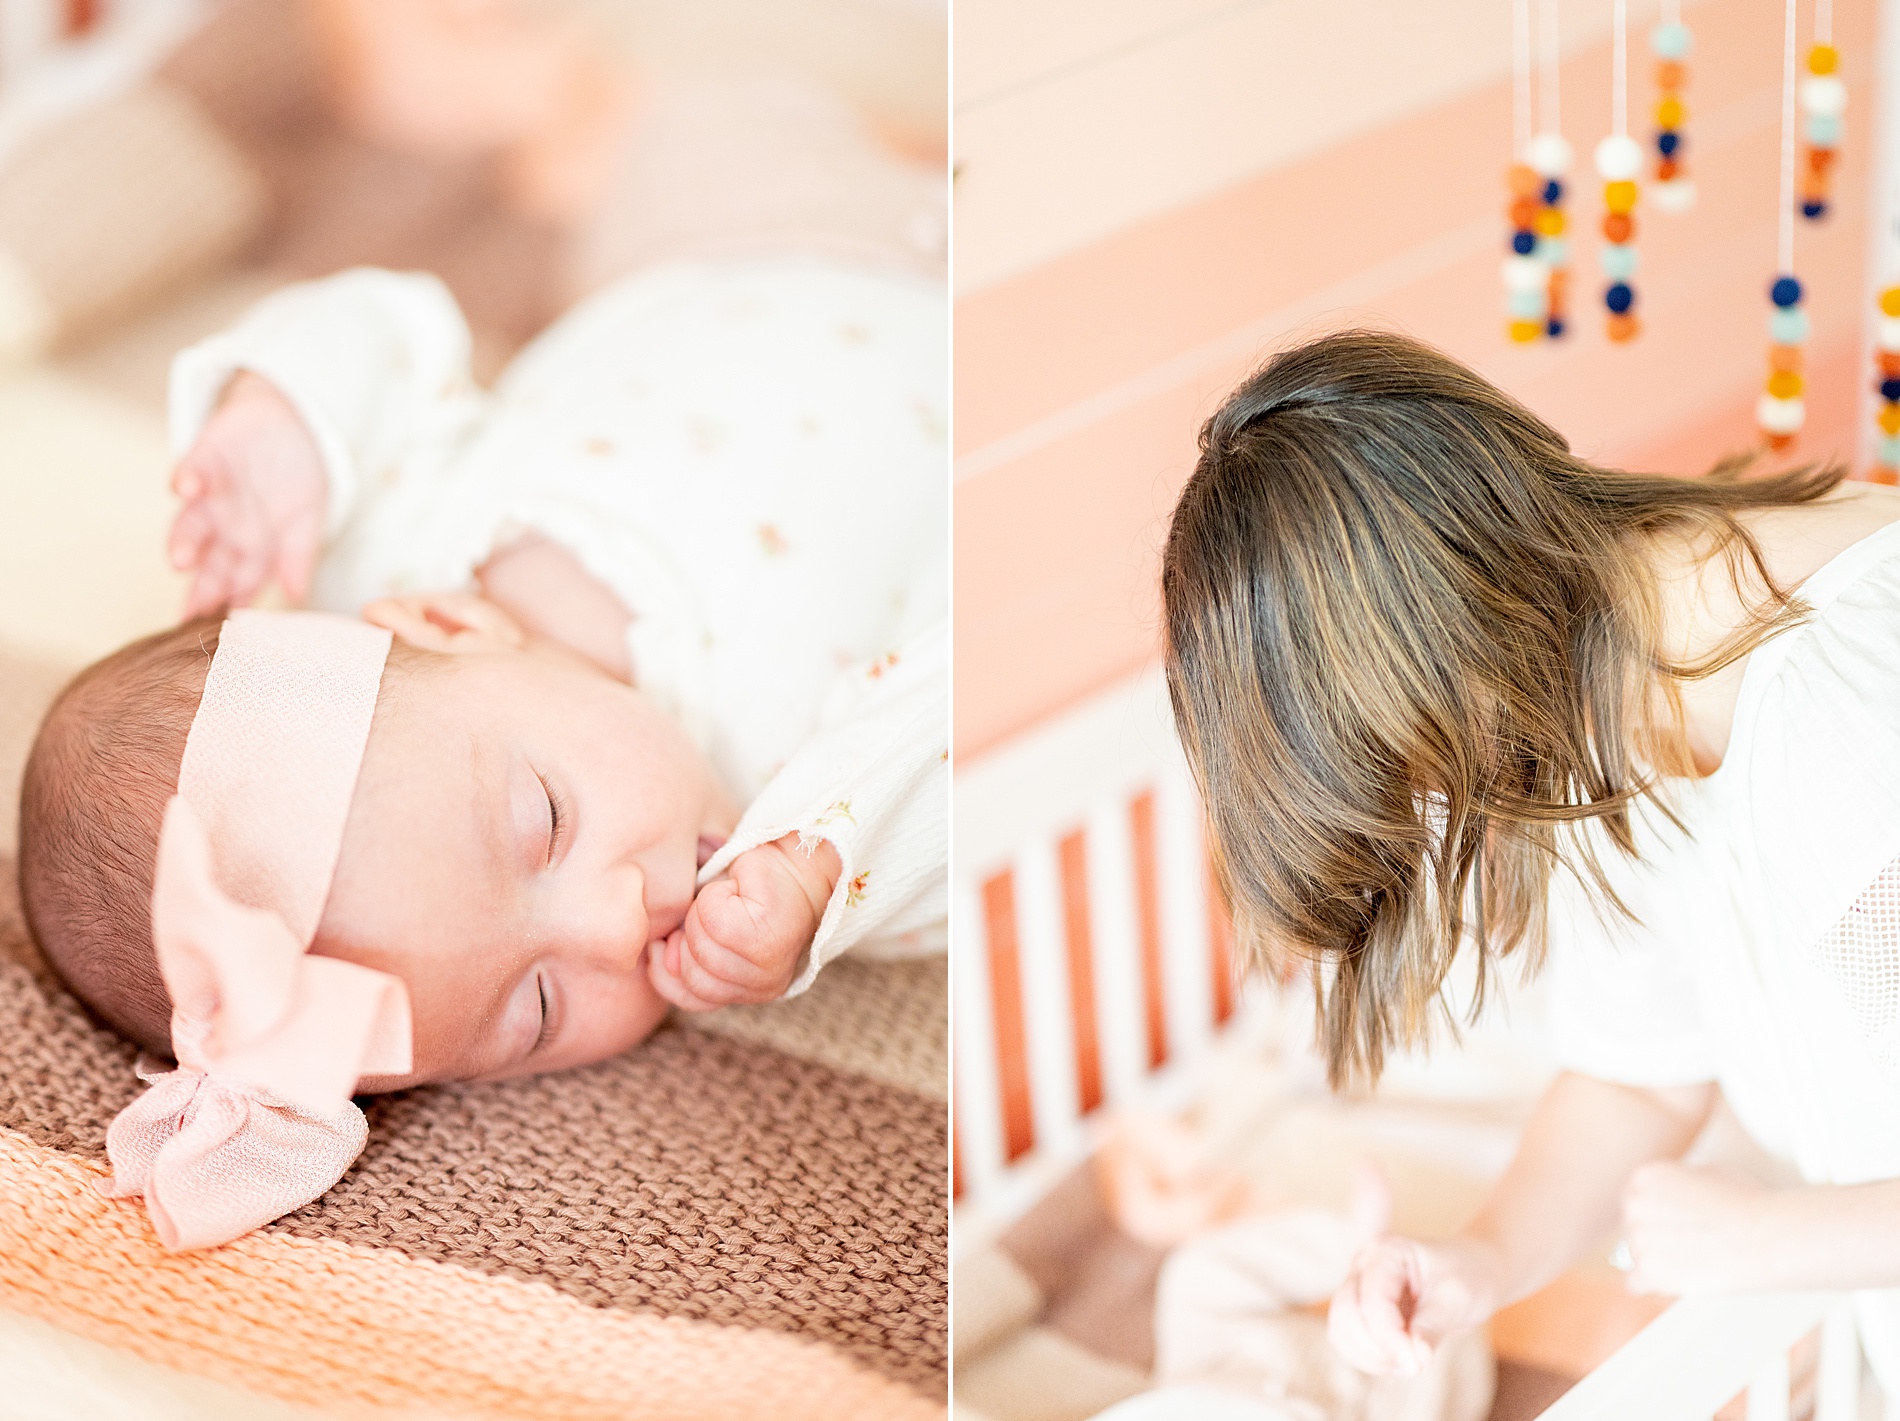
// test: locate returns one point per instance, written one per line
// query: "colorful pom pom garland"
(1782, 410)
(1886, 468)
(1536, 266)
(1619, 160)
(1672, 190)
(1823, 99)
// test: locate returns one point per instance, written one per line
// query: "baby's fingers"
(192, 532)
(663, 970)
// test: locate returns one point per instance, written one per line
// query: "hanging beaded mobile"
(1619, 160)
(1536, 269)
(1887, 386)
(1781, 411)
(1823, 101)
(1671, 41)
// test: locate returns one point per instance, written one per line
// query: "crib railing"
(1703, 1353)
(1090, 955)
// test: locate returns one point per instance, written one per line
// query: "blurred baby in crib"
(664, 719)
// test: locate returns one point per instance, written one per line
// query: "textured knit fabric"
(523, 1248)
(1756, 958)
(750, 453)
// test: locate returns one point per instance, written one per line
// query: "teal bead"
(1890, 450)
(1527, 305)
(1824, 130)
(1554, 250)
(1788, 325)
(1671, 41)
(1619, 260)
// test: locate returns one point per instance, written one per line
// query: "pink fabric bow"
(257, 1119)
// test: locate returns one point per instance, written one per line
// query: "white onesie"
(751, 453)
(1767, 952)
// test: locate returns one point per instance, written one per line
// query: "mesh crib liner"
(740, 1221)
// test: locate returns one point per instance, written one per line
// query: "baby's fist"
(745, 932)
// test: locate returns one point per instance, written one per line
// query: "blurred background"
(1152, 196)
(165, 163)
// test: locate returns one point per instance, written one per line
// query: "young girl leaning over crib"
(1449, 687)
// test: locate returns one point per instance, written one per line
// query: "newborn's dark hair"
(102, 768)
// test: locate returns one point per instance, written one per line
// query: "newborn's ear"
(447, 621)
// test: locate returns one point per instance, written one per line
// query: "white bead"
(1780, 416)
(1548, 155)
(1619, 159)
(1525, 274)
(1887, 332)
(1676, 195)
(1823, 94)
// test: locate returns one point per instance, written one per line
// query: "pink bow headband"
(257, 1119)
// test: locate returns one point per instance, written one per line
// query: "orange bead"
(1784, 384)
(1784, 358)
(1524, 332)
(1884, 474)
(1622, 326)
(1890, 303)
(1814, 187)
(1778, 442)
(1667, 168)
(1619, 196)
(1524, 213)
(1820, 159)
(1559, 281)
(1671, 74)
(1618, 227)
(1525, 180)
(1890, 364)
(1889, 419)
(1670, 112)
(1823, 59)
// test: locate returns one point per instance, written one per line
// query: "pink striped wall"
(1081, 382)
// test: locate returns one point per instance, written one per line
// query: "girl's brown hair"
(1410, 637)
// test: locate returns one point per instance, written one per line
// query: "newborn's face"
(524, 828)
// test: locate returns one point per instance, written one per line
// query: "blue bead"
(1668, 142)
(1814, 209)
(1788, 325)
(1554, 327)
(1824, 129)
(1619, 298)
(1523, 243)
(1785, 292)
(1890, 390)
(1553, 193)
(1670, 41)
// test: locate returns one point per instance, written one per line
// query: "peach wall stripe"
(354, 1330)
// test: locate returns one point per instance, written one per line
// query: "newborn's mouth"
(709, 844)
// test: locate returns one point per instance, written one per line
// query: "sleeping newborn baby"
(663, 720)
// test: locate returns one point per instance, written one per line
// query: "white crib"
(1092, 966)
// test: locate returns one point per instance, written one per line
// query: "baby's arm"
(281, 421)
(1560, 1197)
(857, 817)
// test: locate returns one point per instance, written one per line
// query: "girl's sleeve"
(875, 782)
(376, 362)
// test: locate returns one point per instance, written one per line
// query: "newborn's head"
(522, 829)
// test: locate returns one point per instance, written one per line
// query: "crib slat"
(1768, 1392)
(1118, 994)
(1184, 921)
(1837, 1377)
(1154, 981)
(978, 1090)
(1072, 854)
(1004, 959)
(1049, 1028)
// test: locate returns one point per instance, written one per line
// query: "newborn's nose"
(620, 927)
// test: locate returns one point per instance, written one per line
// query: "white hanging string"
(1550, 61)
(1784, 255)
(1520, 78)
(1824, 22)
(1672, 12)
(1620, 74)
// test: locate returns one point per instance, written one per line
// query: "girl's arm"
(1560, 1197)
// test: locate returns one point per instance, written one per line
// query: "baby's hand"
(254, 491)
(1403, 1298)
(745, 932)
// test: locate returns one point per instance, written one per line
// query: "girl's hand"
(745, 932)
(1706, 1230)
(1404, 1298)
(255, 496)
